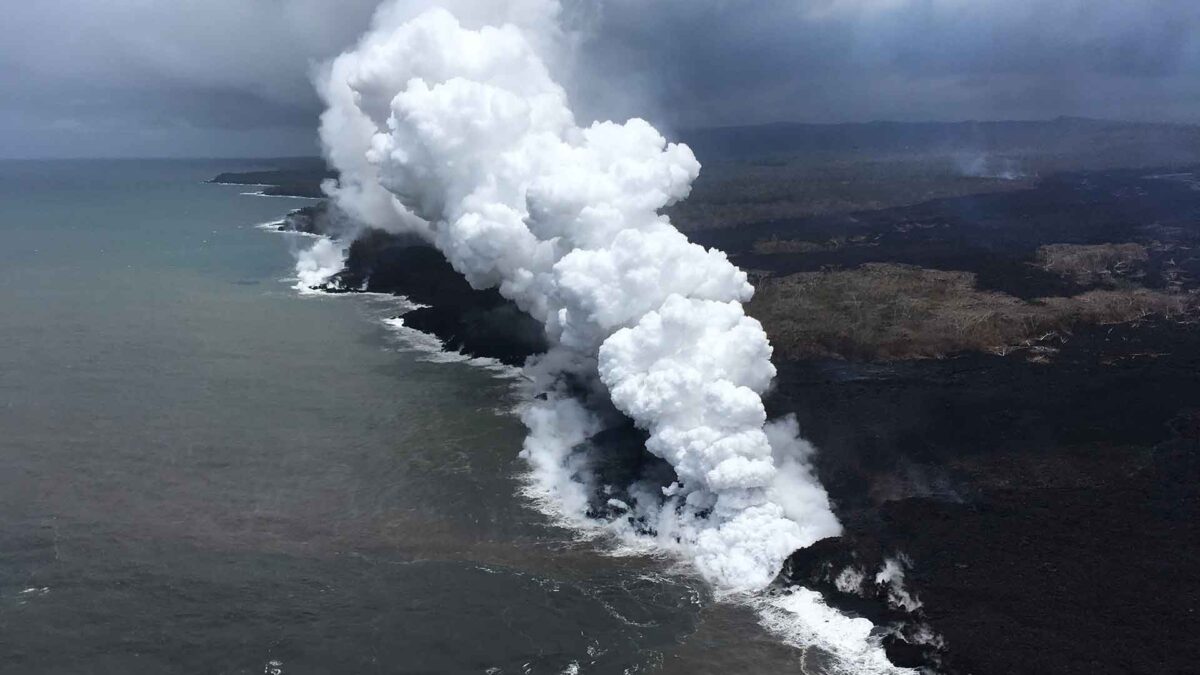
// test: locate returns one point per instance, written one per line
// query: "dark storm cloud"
(710, 61)
(231, 76)
(86, 78)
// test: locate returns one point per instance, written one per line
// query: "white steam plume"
(316, 265)
(458, 131)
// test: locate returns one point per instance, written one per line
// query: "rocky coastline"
(1038, 489)
(473, 322)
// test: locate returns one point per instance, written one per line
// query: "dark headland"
(989, 330)
(297, 177)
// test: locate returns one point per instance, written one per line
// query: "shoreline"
(909, 475)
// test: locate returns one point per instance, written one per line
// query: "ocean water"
(202, 471)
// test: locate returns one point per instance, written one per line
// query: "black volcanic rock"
(322, 219)
(476, 322)
(302, 178)
(1050, 508)
(905, 654)
(308, 220)
(1051, 511)
(996, 236)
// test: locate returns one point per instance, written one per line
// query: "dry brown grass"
(778, 245)
(885, 311)
(1088, 264)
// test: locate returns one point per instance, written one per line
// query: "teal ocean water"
(202, 471)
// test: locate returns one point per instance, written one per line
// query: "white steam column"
(460, 134)
(463, 136)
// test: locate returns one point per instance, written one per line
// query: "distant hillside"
(782, 171)
(1121, 142)
(779, 171)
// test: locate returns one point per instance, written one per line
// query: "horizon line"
(681, 130)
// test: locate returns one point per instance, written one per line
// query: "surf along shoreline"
(1080, 441)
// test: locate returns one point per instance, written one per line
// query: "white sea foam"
(850, 646)
(262, 193)
(276, 226)
(434, 350)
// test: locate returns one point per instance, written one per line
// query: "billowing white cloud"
(462, 135)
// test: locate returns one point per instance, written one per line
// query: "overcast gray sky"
(230, 77)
